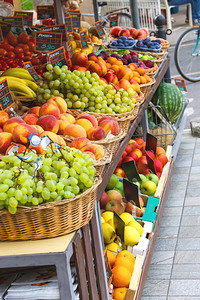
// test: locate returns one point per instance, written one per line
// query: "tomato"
(32, 40)
(18, 50)
(31, 46)
(3, 52)
(20, 55)
(7, 47)
(12, 40)
(23, 38)
(27, 58)
(35, 61)
(27, 53)
(11, 55)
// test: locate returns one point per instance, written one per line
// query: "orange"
(121, 276)
(111, 257)
(125, 262)
(119, 293)
(127, 254)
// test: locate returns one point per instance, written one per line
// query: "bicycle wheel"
(187, 54)
(124, 20)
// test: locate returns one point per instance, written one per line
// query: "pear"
(131, 236)
(108, 233)
(137, 226)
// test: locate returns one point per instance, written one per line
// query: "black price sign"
(114, 19)
(100, 29)
(6, 98)
(29, 67)
(57, 28)
(27, 17)
(57, 57)
(66, 14)
(70, 51)
(16, 21)
(45, 12)
(180, 83)
(84, 43)
(1, 35)
(68, 22)
(76, 20)
(47, 42)
(5, 27)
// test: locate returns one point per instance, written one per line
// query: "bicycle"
(187, 54)
(124, 17)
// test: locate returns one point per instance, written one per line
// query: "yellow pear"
(131, 236)
(137, 226)
(126, 217)
(102, 220)
(108, 233)
(112, 247)
(107, 215)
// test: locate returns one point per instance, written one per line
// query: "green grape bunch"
(64, 173)
(84, 91)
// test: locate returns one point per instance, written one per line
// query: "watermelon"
(170, 97)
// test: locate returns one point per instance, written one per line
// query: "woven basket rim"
(148, 83)
(152, 71)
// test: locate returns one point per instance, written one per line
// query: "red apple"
(158, 165)
(128, 149)
(120, 162)
(104, 200)
(151, 154)
(127, 158)
(159, 174)
(134, 145)
(115, 206)
(124, 154)
(134, 156)
(120, 172)
(137, 152)
(163, 158)
(142, 165)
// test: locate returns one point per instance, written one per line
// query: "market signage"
(114, 19)
(76, 18)
(6, 98)
(47, 42)
(68, 22)
(57, 28)
(1, 35)
(100, 29)
(27, 17)
(84, 43)
(58, 57)
(29, 67)
(5, 27)
(45, 12)
(16, 21)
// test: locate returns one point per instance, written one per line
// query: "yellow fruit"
(137, 226)
(102, 220)
(111, 222)
(131, 236)
(108, 233)
(107, 215)
(112, 247)
(126, 217)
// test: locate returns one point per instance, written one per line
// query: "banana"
(13, 85)
(31, 85)
(19, 80)
(19, 73)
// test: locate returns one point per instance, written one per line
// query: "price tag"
(27, 17)
(5, 27)
(131, 171)
(84, 43)
(57, 57)
(100, 29)
(68, 22)
(70, 50)
(119, 225)
(6, 98)
(47, 42)
(45, 12)
(76, 20)
(1, 35)
(180, 83)
(29, 67)
(114, 19)
(150, 163)
(16, 21)
(151, 143)
(131, 191)
(66, 14)
(57, 28)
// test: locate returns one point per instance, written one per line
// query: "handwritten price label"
(27, 17)
(114, 19)
(29, 67)
(100, 29)
(57, 57)
(16, 21)
(57, 28)
(6, 98)
(45, 12)
(47, 42)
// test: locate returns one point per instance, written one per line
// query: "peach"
(21, 148)
(89, 117)
(97, 150)
(82, 69)
(30, 119)
(106, 118)
(132, 66)
(112, 60)
(110, 77)
(5, 141)
(4, 116)
(110, 125)
(103, 68)
(114, 32)
(125, 73)
(135, 33)
(141, 71)
(131, 30)
(10, 124)
(79, 142)
(125, 32)
(124, 84)
(48, 123)
(67, 117)
(49, 109)
(80, 59)
(34, 110)
(1, 129)
(143, 80)
(92, 156)
(60, 103)
(160, 150)
(115, 68)
(62, 125)
(95, 68)
(38, 128)
(136, 87)
(75, 131)
(93, 58)
(38, 149)
(22, 132)
(143, 33)
(61, 141)
(54, 137)
(103, 79)
(96, 133)
(86, 124)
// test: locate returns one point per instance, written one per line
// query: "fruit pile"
(137, 34)
(148, 45)
(85, 91)
(123, 42)
(63, 174)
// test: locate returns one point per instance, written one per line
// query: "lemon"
(111, 222)
(102, 220)
(126, 217)
(108, 233)
(131, 236)
(107, 215)
(112, 247)
(137, 226)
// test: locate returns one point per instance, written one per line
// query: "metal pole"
(60, 16)
(95, 6)
(134, 14)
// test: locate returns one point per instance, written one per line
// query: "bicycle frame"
(197, 42)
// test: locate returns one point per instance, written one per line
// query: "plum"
(115, 55)
(127, 56)
(134, 53)
(149, 63)
(125, 62)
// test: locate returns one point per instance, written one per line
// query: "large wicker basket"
(50, 219)
(152, 71)
(159, 56)
(146, 87)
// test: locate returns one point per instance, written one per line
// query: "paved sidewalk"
(174, 273)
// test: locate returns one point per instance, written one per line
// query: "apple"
(115, 206)
(142, 165)
(104, 200)
(120, 188)
(134, 156)
(120, 162)
(138, 152)
(114, 195)
(124, 154)
(158, 165)
(128, 149)
(120, 172)
(127, 158)
(148, 188)
(143, 178)
(153, 177)
(134, 145)
(159, 174)
(151, 154)
(112, 182)
(163, 158)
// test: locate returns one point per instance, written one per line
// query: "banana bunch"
(20, 82)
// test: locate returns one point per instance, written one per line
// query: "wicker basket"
(159, 56)
(164, 44)
(50, 219)
(29, 102)
(152, 71)
(145, 88)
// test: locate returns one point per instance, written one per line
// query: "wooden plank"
(89, 263)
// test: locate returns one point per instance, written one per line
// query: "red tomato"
(12, 40)
(18, 50)
(27, 53)
(31, 46)
(11, 55)
(3, 52)
(20, 55)
(7, 47)
(32, 40)
(35, 61)
(23, 38)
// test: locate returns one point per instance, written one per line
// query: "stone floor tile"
(168, 232)
(171, 201)
(187, 257)
(156, 287)
(172, 211)
(186, 145)
(189, 232)
(177, 193)
(188, 244)
(194, 177)
(186, 271)
(171, 221)
(192, 201)
(195, 170)
(196, 150)
(185, 151)
(194, 185)
(183, 298)
(195, 163)
(190, 221)
(183, 170)
(180, 177)
(168, 244)
(154, 298)
(180, 185)
(192, 192)
(183, 163)
(191, 210)
(162, 257)
(161, 272)
(184, 288)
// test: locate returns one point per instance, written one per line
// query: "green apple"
(136, 182)
(143, 178)
(148, 188)
(112, 182)
(119, 187)
(153, 177)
